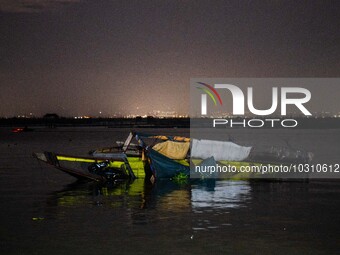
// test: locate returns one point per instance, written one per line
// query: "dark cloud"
(32, 6)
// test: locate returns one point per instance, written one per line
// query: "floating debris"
(38, 218)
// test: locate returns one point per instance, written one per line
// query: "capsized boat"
(166, 157)
(171, 156)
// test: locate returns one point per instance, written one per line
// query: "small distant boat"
(22, 129)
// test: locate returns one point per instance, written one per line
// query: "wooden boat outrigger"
(119, 162)
(90, 168)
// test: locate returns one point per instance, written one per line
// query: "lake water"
(44, 211)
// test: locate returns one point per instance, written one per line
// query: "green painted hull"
(77, 166)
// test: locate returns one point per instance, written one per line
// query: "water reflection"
(191, 207)
(135, 203)
(218, 214)
(118, 194)
(163, 196)
(221, 194)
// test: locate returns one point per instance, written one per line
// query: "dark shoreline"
(97, 122)
(150, 122)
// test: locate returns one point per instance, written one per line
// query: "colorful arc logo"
(209, 90)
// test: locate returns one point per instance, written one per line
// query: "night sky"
(74, 57)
